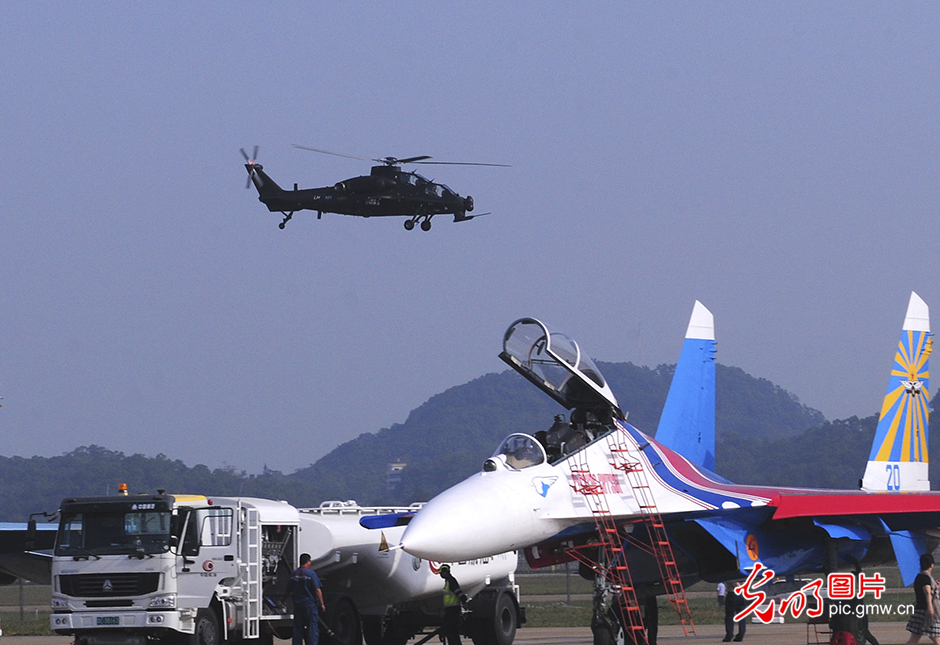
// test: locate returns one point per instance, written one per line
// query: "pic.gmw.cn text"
(841, 587)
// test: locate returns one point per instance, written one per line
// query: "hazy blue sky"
(777, 161)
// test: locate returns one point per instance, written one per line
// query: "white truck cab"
(128, 568)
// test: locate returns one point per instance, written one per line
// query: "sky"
(776, 161)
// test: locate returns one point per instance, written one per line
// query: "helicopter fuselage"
(387, 191)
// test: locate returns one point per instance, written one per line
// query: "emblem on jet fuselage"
(542, 484)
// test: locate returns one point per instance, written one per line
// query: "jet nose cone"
(479, 517)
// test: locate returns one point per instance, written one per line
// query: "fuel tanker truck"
(197, 570)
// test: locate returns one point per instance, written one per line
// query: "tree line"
(764, 436)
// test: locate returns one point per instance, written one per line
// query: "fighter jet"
(539, 493)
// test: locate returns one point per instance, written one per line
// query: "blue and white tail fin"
(898, 460)
(687, 424)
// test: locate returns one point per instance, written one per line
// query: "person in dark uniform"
(651, 619)
(454, 600)
(734, 602)
(308, 599)
(923, 621)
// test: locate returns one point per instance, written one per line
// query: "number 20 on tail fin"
(898, 460)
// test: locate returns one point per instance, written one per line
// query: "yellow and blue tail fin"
(898, 460)
(687, 424)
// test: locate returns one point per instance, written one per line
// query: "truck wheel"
(284, 633)
(343, 620)
(396, 633)
(207, 629)
(502, 625)
(393, 634)
(372, 631)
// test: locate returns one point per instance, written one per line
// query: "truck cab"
(130, 568)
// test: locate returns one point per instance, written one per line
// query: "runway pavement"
(786, 634)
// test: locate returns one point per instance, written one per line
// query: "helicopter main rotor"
(395, 161)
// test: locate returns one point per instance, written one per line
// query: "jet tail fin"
(687, 424)
(898, 460)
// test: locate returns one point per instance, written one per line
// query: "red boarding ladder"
(614, 567)
(627, 458)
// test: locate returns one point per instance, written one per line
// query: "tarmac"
(888, 633)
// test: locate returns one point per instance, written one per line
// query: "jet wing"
(26, 556)
(925, 507)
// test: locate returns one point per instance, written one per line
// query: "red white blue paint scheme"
(527, 494)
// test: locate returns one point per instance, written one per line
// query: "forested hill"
(764, 436)
(450, 435)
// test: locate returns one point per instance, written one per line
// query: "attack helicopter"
(388, 191)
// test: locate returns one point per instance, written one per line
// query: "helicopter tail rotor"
(249, 163)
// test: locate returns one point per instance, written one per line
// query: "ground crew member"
(734, 603)
(651, 619)
(305, 590)
(454, 600)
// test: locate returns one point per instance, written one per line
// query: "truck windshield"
(108, 533)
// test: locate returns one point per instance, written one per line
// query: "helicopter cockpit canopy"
(554, 362)
(521, 451)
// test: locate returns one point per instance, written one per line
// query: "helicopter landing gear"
(425, 222)
(287, 217)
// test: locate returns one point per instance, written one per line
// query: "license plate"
(108, 620)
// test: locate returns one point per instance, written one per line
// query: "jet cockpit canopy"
(521, 451)
(554, 362)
